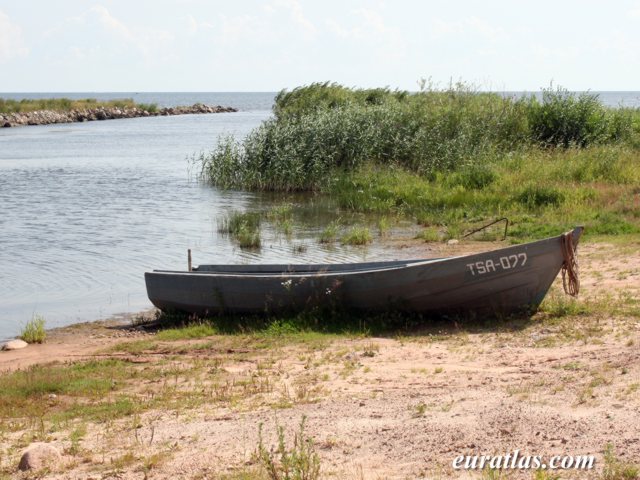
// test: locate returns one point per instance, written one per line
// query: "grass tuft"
(297, 462)
(242, 227)
(357, 236)
(616, 469)
(34, 331)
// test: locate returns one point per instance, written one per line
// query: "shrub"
(566, 119)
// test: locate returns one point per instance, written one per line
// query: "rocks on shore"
(14, 345)
(38, 456)
(46, 117)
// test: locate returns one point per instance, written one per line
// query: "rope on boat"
(570, 280)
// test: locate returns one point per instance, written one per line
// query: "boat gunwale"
(576, 232)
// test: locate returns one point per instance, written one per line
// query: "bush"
(566, 119)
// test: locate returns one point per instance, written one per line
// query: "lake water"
(86, 208)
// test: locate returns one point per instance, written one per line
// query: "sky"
(249, 45)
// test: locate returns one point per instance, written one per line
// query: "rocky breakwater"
(46, 117)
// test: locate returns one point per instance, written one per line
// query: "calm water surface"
(86, 208)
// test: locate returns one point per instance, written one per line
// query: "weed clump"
(298, 462)
(357, 236)
(616, 469)
(33, 331)
(242, 227)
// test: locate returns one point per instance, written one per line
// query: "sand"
(395, 407)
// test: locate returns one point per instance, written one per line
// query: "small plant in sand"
(298, 462)
(616, 469)
(419, 410)
(33, 331)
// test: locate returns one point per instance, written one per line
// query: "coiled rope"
(570, 280)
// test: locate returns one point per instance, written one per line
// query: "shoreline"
(48, 117)
(563, 381)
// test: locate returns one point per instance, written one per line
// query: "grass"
(357, 236)
(296, 462)
(188, 332)
(66, 104)
(429, 234)
(330, 233)
(616, 469)
(383, 226)
(34, 331)
(428, 132)
(536, 190)
(243, 228)
(450, 159)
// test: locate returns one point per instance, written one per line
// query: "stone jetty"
(46, 117)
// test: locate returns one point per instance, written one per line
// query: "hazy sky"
(248, 45)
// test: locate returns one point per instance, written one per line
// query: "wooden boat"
(504, 280)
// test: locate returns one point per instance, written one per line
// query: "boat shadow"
(389, 324)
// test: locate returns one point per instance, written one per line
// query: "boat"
(505, 281)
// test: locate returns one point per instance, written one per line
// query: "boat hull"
(504, 280)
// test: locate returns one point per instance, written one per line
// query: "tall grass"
(325, 128)
(447, 157)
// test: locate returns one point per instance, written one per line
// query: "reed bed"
(446, 157)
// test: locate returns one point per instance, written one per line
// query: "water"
(86, 208)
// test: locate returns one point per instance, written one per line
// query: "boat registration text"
(502, 263)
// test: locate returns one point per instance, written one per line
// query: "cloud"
(111, 23)
(194, 26)
(103, 32)
(297, 16)
(370, 25)
(471, 25)
(11, 42)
